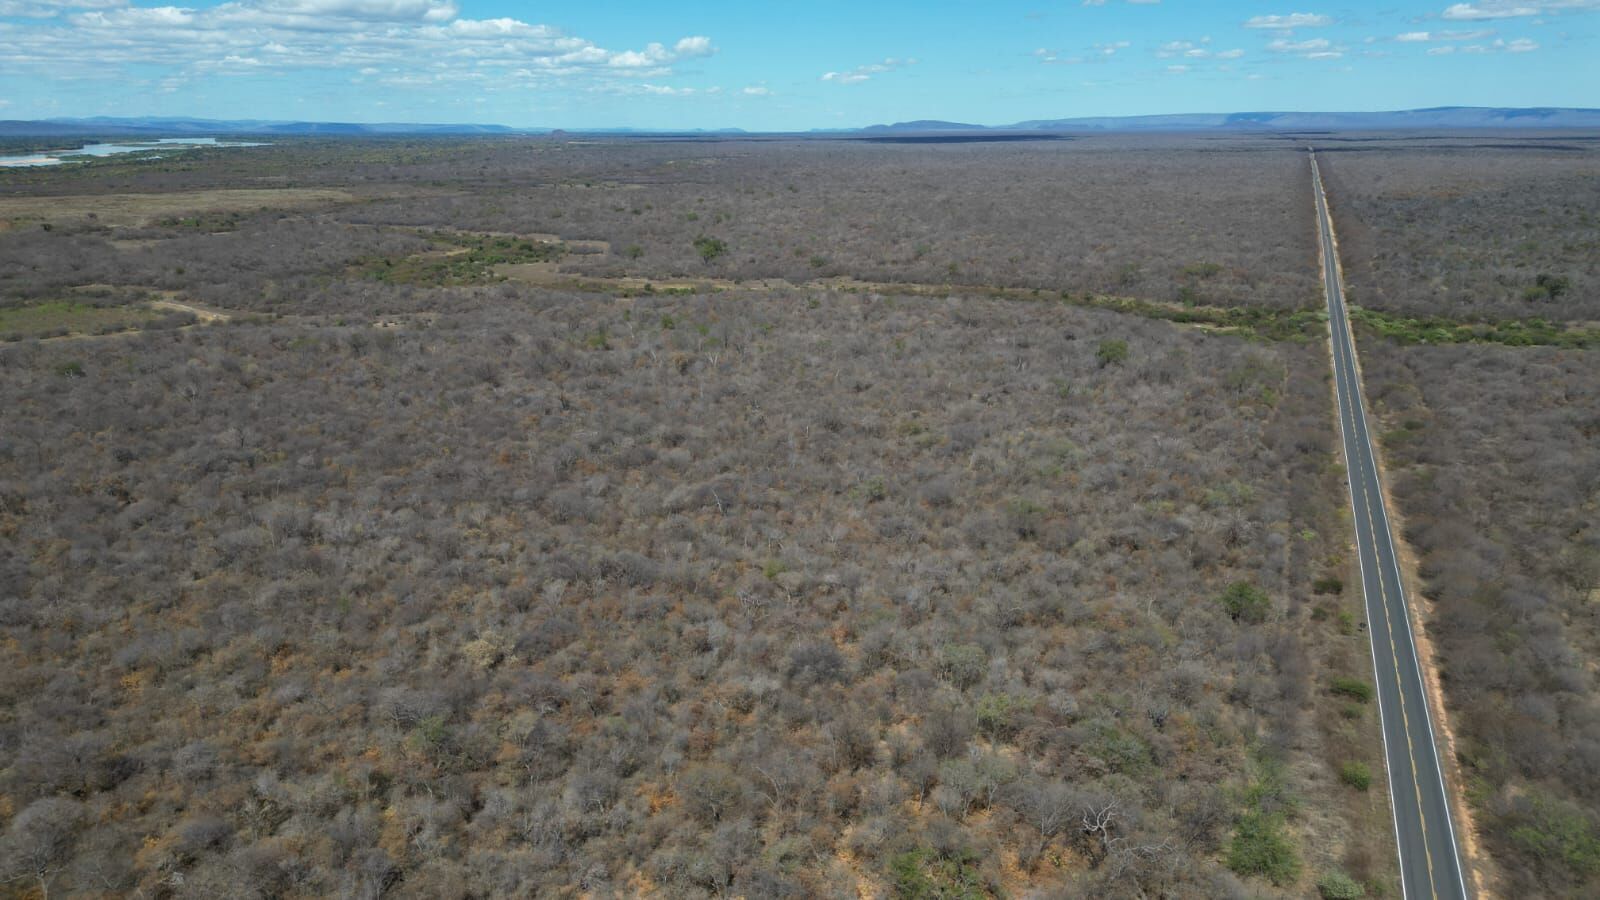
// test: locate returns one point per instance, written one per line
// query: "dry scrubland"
(1496, 465)
(777, 595)
(1217, 222)
(763, 592)
(1455, 229)
(1494, 462)
(1158, 221)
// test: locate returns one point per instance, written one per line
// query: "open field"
(139, 209)
(62, 317)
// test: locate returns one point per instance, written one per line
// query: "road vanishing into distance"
(1430, 865)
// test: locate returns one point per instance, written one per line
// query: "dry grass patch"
(139, 209)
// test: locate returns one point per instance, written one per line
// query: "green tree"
(710, 248)
(1111, 352)
(1245, 602)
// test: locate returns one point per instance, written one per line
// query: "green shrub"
(1245, 602)
(1111, 352)
(997, 714)
(1336, 885)
(927, 874)
(1553, 286)
(1354, 688)
(1347, 622)
(73, 369)
(964, 665)
(1328, 584)
(709, 247)
(871, 490)
(1356, 774)
(1259, 847)
(1559, 833)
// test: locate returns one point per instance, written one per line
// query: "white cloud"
(44, 9)
(1195, 50)
(694, 46)
(757, 91)
(412, 42)
(1308, 46)
(1511, 9)
(1411, 37)
(864, 73)
(1054, 58)
(365, 10)
(1292, 20)
(1520, 45)
(1312, 48)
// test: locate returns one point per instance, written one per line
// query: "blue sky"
(784, 66)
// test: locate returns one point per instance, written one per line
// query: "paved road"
(1430, 864)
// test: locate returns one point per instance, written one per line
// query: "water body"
(57, 157)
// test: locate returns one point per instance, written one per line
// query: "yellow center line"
(1394, 653)
(1372, 529)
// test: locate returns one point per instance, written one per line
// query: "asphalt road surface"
(1430, 864)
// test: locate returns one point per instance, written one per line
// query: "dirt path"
(205, 316)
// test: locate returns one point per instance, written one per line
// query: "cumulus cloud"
(403, 42)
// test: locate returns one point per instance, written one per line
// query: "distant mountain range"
(1459, 117)
(1453, 117)
(1466, 117)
